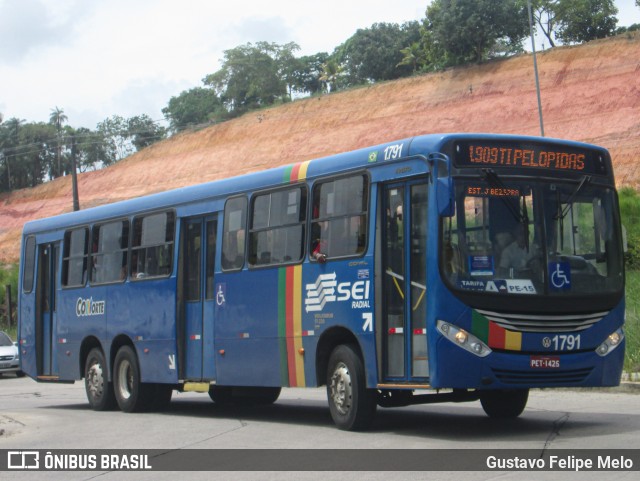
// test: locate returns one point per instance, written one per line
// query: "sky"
(99, 58)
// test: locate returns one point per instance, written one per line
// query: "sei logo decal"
(327, 289)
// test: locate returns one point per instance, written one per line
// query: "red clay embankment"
(590, 93)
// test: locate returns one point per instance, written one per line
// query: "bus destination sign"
(483, 191)
(532, 156)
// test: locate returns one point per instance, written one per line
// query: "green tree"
(143, 131)
(332, 73)
(90, 149)
(9, 142)
(307, 73)
(57, 119)
(544, 14)
(462, 31)
(253, 76)
(114, 132)
(28, 152)
(414, 56)
(584, 20)
(193, 107)
(35, 155)
(375, 53)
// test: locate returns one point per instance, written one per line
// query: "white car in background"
(9, 358)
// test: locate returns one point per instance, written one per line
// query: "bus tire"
(504, 404)
(351, 404)
(96, 383)
(131, 394)
(161, 396)
(267, 395)
(221, 395)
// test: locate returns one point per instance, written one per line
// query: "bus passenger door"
(46, 300)
(404, 264)
(199, 248)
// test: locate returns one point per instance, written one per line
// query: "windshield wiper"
(563, 213)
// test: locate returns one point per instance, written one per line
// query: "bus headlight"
(463, 339)
(610, 343)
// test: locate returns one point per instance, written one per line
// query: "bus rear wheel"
(131, 394)
(504, 404)
(97, 386)
(351, 404)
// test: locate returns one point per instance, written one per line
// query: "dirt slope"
(589, 93)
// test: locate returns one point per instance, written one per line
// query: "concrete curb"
(630, 382)
(630, 377)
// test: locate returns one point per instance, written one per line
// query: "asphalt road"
(53, 417)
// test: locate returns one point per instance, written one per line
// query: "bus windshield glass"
(537, 238)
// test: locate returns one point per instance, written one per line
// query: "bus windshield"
(533, 237)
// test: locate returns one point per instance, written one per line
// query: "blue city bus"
(454, 267)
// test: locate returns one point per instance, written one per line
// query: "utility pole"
(535, 66)
(74, 175)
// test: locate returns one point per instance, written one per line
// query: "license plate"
(544, 362)
(4, 365)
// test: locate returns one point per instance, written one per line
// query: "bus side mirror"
(443, 183)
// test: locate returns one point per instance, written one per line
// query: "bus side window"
(233, 236)
(277, 227)
(152, 245)
(29, 264)
(110, 246)
(339, 219)
(75, 255)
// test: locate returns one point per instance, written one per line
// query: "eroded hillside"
(589, 93)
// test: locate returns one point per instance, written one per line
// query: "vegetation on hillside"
(253, 76)
(630, 212)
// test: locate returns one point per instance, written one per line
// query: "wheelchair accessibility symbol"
(221, 292)
(559, 276)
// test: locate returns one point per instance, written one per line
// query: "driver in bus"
(517, 256)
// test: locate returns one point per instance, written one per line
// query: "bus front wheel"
(131, 394)
(504, 404)
(99, 389)
(351, 404)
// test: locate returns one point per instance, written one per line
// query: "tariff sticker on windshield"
(544, 362)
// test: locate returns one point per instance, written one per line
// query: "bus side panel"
(145, 312)
(248, 346)
(81, 314)
(340, 295)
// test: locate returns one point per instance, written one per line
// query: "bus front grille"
(543, 322)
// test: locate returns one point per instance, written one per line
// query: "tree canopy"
(462, 31)
(373, 54)
(254, 76)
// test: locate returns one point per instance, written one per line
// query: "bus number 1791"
(565, 342)
(393, 152)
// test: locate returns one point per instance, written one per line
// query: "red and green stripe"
(493, 335)
(290, 306)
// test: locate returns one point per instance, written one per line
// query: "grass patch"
(632, 326)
